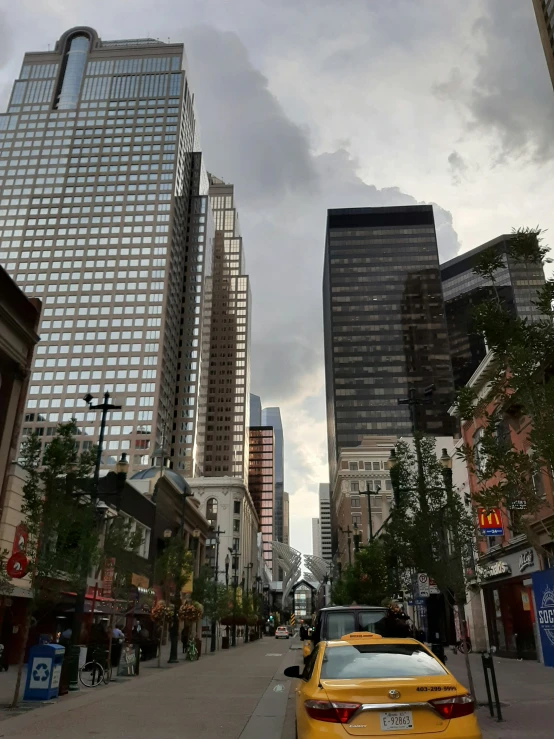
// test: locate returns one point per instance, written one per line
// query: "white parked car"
(281, 632)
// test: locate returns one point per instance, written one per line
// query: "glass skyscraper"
(261, 483)
(516, 286)
(384, 325)
(224, 408)
(272, 417)
(96, 170)
(544, 10)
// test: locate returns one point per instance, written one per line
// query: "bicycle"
(94, 673)
(462, 645)
(192, 652)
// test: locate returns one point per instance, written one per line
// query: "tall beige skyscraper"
(95, 174)
(225, 391)
(544, 10)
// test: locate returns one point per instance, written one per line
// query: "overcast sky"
(311, 104)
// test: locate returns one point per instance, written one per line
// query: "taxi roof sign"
(360, 635)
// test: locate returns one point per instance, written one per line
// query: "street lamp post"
(369, 493)
(348, 533)
(235, 556)
(173, 654)
(104, 407)
(356, 537)
(248, 567)
(213, 639)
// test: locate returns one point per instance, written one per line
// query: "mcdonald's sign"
(490, 521)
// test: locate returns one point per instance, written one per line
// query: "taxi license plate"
(396, 720)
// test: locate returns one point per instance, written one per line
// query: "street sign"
(423, 585)
(16, 566)
(490, 521)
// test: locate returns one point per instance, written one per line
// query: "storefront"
(508, 595)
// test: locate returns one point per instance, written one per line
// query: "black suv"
(336, 621)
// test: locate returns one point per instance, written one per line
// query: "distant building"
(325, 521)
(516, 286)
(316, 537)
(255, 410)
(384, 325)
(272, 417)
(362, 468)
(261, 483)
(544, 10)
(286, 519)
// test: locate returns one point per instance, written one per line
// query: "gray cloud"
(458, 167)
(510, 96)
(283, 192)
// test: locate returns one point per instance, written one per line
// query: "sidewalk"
(526, 691)
(8, 680)
(233, 693)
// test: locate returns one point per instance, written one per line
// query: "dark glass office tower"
(517, 286)
(384, 324)
(261, 483)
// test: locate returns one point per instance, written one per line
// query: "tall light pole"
(174, 654)
(348, 532)
(105, 407)
(216, 574)
(235, 556)
(248, 567)
(369, 493)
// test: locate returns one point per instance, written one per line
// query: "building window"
(236, 525)
(211, 512)
(353, 466)
(355, 502)
(354, 487)
(236, 507)
(357, 519)
(376, 465)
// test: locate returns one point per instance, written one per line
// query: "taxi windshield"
(378, 661)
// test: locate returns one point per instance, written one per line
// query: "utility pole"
(348, 532)
(412, 401)
(369, 493)
(247, 568)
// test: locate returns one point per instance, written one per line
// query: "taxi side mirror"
(293, 671)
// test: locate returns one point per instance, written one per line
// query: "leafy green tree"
(367, 581)
(173, 569)
(517, 395)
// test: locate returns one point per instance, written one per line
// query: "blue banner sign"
(543, 589)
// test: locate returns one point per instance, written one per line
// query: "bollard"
(486, 658)
(73, 654)
(488, 666)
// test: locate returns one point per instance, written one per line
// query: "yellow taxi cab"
(306, 649)
(365, 685)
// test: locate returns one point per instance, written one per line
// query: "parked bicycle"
(192, 652)
(462, 646)
(96, 671)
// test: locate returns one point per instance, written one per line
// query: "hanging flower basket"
(160, 611)
(189, 612)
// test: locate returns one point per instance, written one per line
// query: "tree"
(367, 580)
(518, 394)
(174, 568)
(429, 530)
(62, 543)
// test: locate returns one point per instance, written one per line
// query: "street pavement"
(242, 693)
(239, 693)
(526, 692)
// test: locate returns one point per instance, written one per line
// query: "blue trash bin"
(43, 672)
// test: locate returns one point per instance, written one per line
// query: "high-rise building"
(286, 519)
(316, 538)
(272, 417)
(261, 483)
(384, 325)
(255, 410)
(225, 394)
(192, 367)
(544, 10)
(325, 521)
(516, 285)
(95, 180)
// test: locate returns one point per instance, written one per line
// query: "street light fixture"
(122, 465)
(104, 407)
